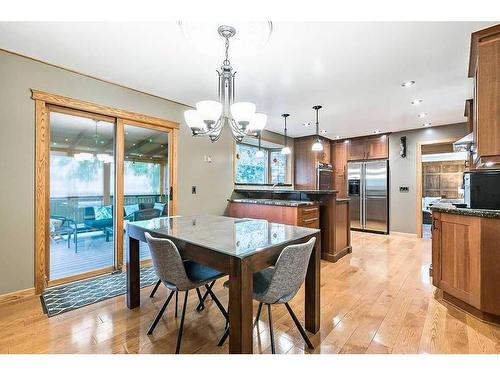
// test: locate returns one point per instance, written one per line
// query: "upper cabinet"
(484, 67)
(368, 148)
(339, 161)
(306, 161)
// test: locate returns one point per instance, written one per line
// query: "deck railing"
(74, 207)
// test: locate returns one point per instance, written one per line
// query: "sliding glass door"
(81, 180)
(145, 175)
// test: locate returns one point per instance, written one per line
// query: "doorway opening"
(440, 175)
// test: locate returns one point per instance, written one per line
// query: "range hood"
(463, 144)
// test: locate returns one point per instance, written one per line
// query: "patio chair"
(64, 226)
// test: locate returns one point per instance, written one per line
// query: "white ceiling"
(353, 69)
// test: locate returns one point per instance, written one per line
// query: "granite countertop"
(273, 202)
(286, 191)
(492, 214)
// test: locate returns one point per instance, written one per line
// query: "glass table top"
(232, 236)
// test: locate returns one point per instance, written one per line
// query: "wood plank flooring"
(379, 299)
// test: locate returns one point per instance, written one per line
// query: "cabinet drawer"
(310, 222)
(308, 211)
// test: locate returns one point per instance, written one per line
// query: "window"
(142, 178)
(270, 169)
(249, 168)
(278, 167)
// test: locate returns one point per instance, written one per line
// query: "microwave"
(482, 189)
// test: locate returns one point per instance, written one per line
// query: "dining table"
(236, 247)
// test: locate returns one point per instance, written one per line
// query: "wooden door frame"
(42, 152)
(419, 178)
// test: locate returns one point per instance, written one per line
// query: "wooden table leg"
(133, 274)
(240, 307)
(312, 289)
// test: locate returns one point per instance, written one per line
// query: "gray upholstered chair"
(279, 284)
(178, 276)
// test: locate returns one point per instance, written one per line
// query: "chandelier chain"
(226, 60)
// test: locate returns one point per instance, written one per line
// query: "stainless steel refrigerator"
(368, 186)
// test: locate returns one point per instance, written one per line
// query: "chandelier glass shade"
(211, 116)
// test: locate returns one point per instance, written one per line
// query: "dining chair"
(279, 284)
(179, 276)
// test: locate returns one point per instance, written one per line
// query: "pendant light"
(317, 146)
(259, 153)
(285, 150)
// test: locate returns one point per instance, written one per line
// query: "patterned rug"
(60, 299)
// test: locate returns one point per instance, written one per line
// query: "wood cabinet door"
(340, 184)
(305, 164)
(324, 156)
(356, 149)
(377, 147)
(456, 242)
(339, 157)
(488, 99)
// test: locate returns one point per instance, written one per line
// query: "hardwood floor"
(379, 299)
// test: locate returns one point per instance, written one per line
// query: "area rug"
(60, 299)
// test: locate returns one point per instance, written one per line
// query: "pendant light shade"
(258, 122)
(285, 150)
(317, 146)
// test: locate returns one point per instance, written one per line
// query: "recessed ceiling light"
(323, 131)
(337, 137)
(416, 101)
(376, 131)
(422, 115)
(407, 83)
(307, 124)
(66, 139)
(427, 124)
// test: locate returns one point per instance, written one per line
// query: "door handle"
(309, 220)
(434, 226)
(310, 209)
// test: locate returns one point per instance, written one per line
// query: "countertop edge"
(491, 214)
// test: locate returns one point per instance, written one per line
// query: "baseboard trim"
(17, 295)
(404, 234)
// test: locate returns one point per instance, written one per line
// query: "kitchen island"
(309, 208)
(466, 259)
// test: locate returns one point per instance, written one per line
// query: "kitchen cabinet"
(339, 160)
(306, 161)
(368, 148)
(465, 265)
(302, 216)
(356, 149)
(484, 68)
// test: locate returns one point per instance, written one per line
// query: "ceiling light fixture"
(306, 124)
(376, 131)
(286, 150)
(211, 116)
(259, 153)
(427, 124)
(317, 146)
(416, 101)
(422, 115)
(337, 137)
(407, 83)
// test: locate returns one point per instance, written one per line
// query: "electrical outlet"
(193, 189)
(404, 189)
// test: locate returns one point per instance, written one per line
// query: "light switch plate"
(193, 189)
(404, 189)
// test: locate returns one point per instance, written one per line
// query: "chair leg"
(299, 327)
(219, 305)
(257, 317)
(176, 302)
(269, 315)
(160, 313)
(183, 315)
(155, 289)
(200, 298)
(224, 337)
(207, 286)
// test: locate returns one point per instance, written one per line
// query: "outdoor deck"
(93, 253)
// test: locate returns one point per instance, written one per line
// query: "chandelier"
(210, 116)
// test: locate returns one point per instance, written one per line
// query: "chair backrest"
(289, 272)
(167, 262)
